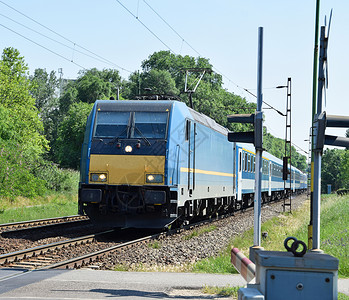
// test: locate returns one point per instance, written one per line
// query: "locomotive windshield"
(140, 124)
(112, 124)
(150, 124)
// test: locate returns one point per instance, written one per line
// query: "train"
(159, 163)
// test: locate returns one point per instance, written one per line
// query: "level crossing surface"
(92, 284)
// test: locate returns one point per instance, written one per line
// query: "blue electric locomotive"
(148, 164)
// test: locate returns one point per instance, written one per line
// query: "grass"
(140, 267)
(278, 229)
(220, 264)
(121, 268)
(334, 235)
(154, 245)
(227, 291)
(50, 206)
(200, 231)
(335, 231)
(342, 296)
(334, 240)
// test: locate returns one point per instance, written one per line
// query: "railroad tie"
(242, 264)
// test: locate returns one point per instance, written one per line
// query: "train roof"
(125, 105)
(158, 105)
(266, 155)
(207, 121)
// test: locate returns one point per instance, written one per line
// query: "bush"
(16, 177)
(21, 175)
(57, 179)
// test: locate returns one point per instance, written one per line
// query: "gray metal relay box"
(281, 275)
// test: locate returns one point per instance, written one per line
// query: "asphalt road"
(91, 284)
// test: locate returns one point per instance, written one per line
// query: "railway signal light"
(252, 137)
(285, 170)
(321, 123)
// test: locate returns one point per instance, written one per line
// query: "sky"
(120, 34)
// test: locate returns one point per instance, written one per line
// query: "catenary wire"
(219, 72)
(196, 51)
(182, 38)
(58, 42)
(145, 26)
(63, 37)
(55, 53)
(105, 60)
(274, 133)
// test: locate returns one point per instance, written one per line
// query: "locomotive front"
(123, 179)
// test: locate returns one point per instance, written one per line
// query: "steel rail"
(42, 222)
(89, 258)
(39, 250)
(94, 256)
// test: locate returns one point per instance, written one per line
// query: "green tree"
(71, 135)
(276, 147)
(331, 169)
(91, 85)
(176, 65)
(44, 88)
(158, 81)
(69, 96)
(344, 173)
(335, 168)
(21, 139)
(15, 97)
(107, 75)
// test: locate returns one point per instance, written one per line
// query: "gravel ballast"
(174, 252)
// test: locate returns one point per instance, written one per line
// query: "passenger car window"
(240, 161)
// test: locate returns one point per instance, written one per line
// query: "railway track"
(7, 227)
(44, 255)
(90, 258)
(48, 257)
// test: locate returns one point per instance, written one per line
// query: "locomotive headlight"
(128, 149)
(98, 177)
(154, 178)
(102, 177)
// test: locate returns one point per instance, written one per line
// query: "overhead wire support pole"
(317, 153)
(288, 149)
(315, 70)
(259, 146)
